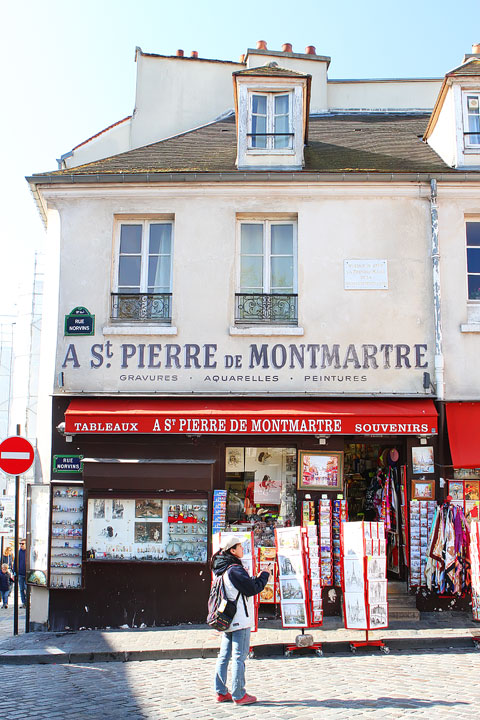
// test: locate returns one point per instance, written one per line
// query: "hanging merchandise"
(326, 542)
(448, 565)
(364, 575)
(339, 516)
(475, 565)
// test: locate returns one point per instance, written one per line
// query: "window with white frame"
(143, 271)
(270, 121)
(267, 273)
(471, 119)
(473, 260)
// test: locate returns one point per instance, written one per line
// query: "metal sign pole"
(16, 550)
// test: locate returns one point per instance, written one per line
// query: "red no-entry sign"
(16, 455)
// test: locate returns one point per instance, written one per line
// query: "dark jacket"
(5, 581)
(241, 580)
(22, 568)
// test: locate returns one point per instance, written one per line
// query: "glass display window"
(66, 537)
(147, 528)
(261, 490)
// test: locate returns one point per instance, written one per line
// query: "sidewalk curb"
(16, 657)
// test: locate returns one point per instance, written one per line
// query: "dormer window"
(271, 106)
(471, 119)
(270, 121)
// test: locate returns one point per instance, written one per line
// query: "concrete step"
(402, 601)
(403, 614)
(397, 588)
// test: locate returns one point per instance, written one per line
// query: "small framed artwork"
(422, 460)
(320, 470)
(455, 489)
(235, 460)
(423, 489)
(294, 614)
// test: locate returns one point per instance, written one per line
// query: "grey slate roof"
(355, 142)
(471, 67)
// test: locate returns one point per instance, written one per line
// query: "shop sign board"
(365, 274)
(79, 322)
(67, 463)
(245, 365)
(16, 455)
(276, 424)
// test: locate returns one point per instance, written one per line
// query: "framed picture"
(353, 575)
(422, 460)
(423, 489)
(292, 589)
(294, 615)
(320, 470)
(455, 489)
(378, 615)
(355, 611)
(235, 460)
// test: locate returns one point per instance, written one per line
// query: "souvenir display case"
(326, 542)
(314, 583)
(66, 536)
(146, 528)
(299, 576)
(339, 516)
(465, 493)
(422, 513)
(364, 575)
(38, 512)
(267, 557)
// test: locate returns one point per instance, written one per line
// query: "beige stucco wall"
(175, 94)
(334, 223)
(383, 94)
(461, 347)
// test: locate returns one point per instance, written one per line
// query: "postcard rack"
(422, 513)
(364, 580)
(299, 582)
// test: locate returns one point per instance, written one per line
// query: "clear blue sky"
(67, 70)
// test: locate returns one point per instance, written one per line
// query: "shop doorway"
(372, 488)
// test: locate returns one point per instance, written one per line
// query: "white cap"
(229, 543)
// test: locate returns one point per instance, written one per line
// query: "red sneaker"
(224, 698)
(246, 700)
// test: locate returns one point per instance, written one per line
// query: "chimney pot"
(180, 53)
(286, 47)
(194, 53)
(242, 58)
(310, 50)
(476, 49)
(261, 45)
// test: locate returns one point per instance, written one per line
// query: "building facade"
(256, 292)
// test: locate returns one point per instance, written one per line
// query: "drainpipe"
(437, 310)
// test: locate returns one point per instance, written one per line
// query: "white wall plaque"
(365, 274)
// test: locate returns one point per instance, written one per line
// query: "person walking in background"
(8, 558)
(5, 584)
(22, 572)
(236, 640)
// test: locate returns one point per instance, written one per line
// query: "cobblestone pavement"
(429, 684)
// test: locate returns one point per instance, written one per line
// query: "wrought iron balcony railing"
(271, 309)
(142, 307)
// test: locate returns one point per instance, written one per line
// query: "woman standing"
(236, 640)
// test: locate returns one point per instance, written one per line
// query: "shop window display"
(261, 490)
(148, 529)
(372, 485)
(66, 537)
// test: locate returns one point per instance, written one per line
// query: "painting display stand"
(315, 646)
(364, 580)
(369, 643)
(300, 586)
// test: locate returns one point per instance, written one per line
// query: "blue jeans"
(22, 584)
(5, 594)
(235, 645)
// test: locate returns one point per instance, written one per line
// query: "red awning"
(246, 416)
(463, 422)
